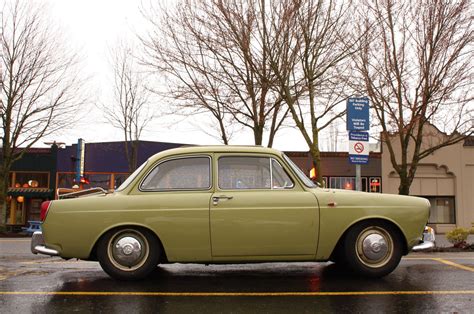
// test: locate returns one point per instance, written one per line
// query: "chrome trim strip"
(82, 193)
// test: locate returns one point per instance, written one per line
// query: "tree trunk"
(404, 187)
(405, 183)
(258, 134)
(224, 137)
(3, 195)
(316, 158)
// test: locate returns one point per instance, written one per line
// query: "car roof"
(215, 149)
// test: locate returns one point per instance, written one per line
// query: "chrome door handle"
(215, 199)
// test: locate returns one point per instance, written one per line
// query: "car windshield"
(307, 181)
(131, 177)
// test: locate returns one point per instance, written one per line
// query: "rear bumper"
(38, 245)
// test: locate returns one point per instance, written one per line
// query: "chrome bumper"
(428, 240)
(38, 245)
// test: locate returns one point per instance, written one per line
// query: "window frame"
(273, 159)
(157, 164)
(270, 159)
(452, 197)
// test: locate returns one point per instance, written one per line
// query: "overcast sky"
(92, 27)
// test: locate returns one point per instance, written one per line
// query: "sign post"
(357, 124)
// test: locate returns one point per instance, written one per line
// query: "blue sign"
(359, 159)
(358, 136)
(358, 114)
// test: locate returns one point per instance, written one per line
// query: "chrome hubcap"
(374, 247)
(128, 250)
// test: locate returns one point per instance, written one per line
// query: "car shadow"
(163, 289)
(268, 277)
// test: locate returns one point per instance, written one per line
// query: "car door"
(174, 199)
(259, 210)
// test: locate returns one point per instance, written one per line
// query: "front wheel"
(373, 249)
(128, 253)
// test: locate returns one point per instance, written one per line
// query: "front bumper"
(38, 245)
(428, 240)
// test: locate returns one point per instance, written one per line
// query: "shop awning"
(31, 192)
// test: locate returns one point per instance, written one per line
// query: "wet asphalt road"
(442, 282)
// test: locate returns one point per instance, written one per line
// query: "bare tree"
(40, 88)
(130, 111)
(216, 52)
(309, 47)
(190, 79)
(416, 65)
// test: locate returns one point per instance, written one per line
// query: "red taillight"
(44, 210)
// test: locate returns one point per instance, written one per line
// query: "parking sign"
(358, 114)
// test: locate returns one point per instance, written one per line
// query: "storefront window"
(375, 184)
(35, 209)
(345, 183)
(97, 180)
(348, 183)
(32, 180)
(119, 178)
(442, 210)
(66, 180)
(16, 211)
(20, 213)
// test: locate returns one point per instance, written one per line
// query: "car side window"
(248, 172)
(190, 173)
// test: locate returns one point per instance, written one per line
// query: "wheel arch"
(392, 223)
(93, 250)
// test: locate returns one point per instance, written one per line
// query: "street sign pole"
(358, 178)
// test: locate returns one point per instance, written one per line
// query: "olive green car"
(230, 204)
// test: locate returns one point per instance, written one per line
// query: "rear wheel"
(128, 253)
(373, 248)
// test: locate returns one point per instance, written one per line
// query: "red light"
(84, 180)
(375, 183)
(44, 210)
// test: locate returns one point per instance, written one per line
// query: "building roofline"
(140, 141)
(330, 154)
